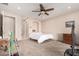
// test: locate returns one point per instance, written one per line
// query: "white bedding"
(40, 37)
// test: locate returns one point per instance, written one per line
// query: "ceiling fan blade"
(49, 9)
(46, 13)
(41, 7)
(36, 11)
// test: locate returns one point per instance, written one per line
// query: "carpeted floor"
(32, 48)
(49, 48)
(3, 53)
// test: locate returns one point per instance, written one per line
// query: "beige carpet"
(32, 48)
(3, 53)
(49, 48)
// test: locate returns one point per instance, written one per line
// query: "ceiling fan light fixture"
(42, 12)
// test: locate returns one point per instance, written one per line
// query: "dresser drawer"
(67, 38)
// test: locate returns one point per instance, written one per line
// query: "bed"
(40, 37)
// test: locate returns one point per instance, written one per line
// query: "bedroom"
(22, 22)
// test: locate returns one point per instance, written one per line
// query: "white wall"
(18, 24)
(56, 25)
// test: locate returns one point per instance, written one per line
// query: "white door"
(25, 29)
(8, 26)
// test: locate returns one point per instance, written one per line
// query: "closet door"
(25, 29)
(8, 26)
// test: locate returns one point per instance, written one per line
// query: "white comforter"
(40, 37)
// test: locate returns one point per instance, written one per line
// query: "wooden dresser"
(67, 38)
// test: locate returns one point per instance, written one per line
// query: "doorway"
(8, 26)
(35, 26)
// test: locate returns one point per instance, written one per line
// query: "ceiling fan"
(42, 9)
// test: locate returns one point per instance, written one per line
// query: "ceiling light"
(69, 7)
(18, 8)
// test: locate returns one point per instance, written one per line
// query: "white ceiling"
(26, 9)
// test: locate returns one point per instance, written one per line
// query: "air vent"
(5, 4)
